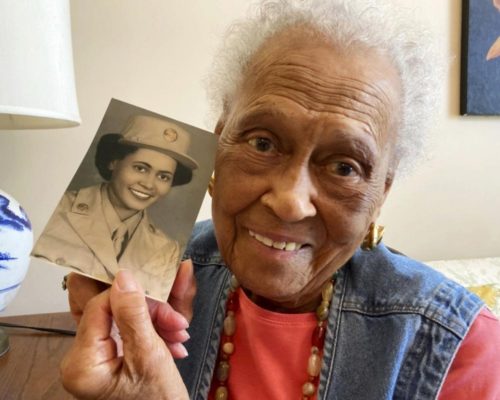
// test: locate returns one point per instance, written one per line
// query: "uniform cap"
(160, 135)
(163, 136)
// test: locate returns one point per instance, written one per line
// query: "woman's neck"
(122, 212)
(285, 308)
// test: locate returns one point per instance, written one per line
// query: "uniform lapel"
(87, 219)
(143, 246)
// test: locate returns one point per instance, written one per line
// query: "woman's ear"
(388, 184)
(112, 165)
(387, 188)
(389, 178)
(221, 123)
(219, 127)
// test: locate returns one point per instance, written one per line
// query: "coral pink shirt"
(475, 371)
(272, 349)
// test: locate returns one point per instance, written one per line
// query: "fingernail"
(184, 352)
(126, 281)
(184, 321)
(186, 336)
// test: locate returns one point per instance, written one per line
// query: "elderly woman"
(323, 103)
(98, 229)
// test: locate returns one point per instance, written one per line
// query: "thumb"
(183, 290)
(131, 315)
(148, 370)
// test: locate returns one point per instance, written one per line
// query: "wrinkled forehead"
(357, 81)
(318, 55)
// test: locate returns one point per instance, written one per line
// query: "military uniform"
(78, 236)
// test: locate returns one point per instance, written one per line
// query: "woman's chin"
(271, 283)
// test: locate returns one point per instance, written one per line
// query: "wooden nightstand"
(30, 370)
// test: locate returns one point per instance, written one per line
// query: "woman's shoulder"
(156, 237)
(83, 198)
(382, 281)
(389, 268)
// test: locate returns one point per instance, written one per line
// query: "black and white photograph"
(133, 201)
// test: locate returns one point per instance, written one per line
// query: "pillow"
(490, 294)
(481, 276)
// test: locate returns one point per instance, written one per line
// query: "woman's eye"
(261, 144)
(343, 169)
(140, 168)
(165, 177)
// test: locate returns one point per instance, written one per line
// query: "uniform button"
(60, 261)
(82, 207)
(152, 229)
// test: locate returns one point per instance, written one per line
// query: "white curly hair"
(380, 24)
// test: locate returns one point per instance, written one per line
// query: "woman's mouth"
(141, 195)
(286, 246)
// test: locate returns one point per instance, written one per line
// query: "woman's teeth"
(287, 246)
(141, 195)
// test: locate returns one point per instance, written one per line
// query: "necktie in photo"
(120, 239)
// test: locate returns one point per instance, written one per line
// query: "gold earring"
(373, 237)
(211, 185)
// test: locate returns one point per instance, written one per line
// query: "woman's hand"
(169, 319)
(92, 368)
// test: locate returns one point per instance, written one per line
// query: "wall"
(156, 53)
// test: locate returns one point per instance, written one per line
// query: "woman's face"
(139, 180)
(303, 166)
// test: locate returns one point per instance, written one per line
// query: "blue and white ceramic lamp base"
(16, 241)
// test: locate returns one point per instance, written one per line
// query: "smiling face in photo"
(139, 180)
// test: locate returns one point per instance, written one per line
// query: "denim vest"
(393, 329)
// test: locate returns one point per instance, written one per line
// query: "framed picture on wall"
(480, 71)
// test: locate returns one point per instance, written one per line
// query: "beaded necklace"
(317, 342)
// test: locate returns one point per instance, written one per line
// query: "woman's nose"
(291, 196)
(147, 181)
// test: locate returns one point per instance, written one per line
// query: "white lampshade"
(37, 87)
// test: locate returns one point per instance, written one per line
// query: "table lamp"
(37, 91)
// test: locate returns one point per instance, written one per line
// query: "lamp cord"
(39, 328)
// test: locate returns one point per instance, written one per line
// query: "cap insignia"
(170, 135)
